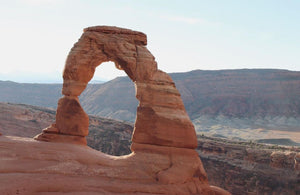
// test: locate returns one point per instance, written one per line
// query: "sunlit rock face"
(163, 158)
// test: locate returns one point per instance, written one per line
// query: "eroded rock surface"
(31, 167)
(163, 158)
(250, 168)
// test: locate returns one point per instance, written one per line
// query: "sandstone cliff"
(251, 168)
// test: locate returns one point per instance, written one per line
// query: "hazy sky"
(36, 35)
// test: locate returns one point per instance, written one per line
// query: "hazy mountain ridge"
(240, 93)
(45, 95)
(218, 101)
(232, 93)
(113, 99)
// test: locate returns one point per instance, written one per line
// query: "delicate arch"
(161, 117)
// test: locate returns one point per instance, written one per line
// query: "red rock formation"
(31, 167)
(161, 116)
(164, 138)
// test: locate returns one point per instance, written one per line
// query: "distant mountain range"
(49, 78)
(232, 93)
(238, 99)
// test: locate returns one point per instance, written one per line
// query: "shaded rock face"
(250, 168)
(164, 138)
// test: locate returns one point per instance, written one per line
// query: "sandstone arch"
(163, 160)
(161, 117)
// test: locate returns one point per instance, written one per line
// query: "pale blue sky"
(36, 35)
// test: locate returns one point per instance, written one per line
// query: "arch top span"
(98, 44)
(135, 35)
(161, 117)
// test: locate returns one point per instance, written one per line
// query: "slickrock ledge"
(163, 158)
(28, 166)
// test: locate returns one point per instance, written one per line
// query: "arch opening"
(106, 72)
(114, 100)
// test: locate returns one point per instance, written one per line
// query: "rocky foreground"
(28, 166)
(239, 167)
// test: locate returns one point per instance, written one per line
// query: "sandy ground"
(251, 134)
(295, 136)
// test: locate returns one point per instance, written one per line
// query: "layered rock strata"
(164, 138)
(251, 168)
